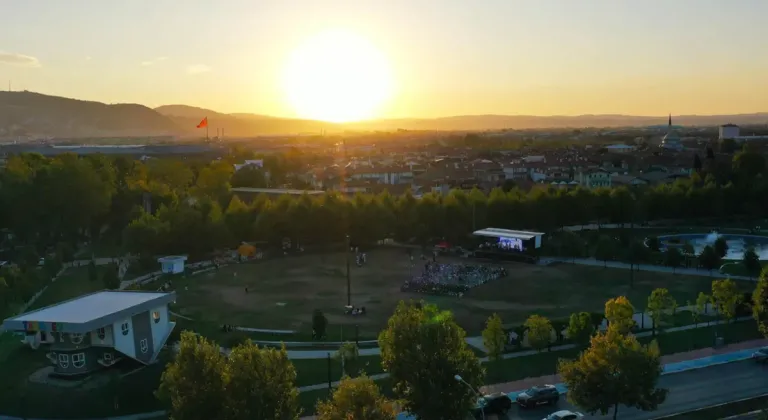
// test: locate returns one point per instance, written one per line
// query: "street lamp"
(460, 379)
(349, 282)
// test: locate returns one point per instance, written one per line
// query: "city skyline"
(443, 58)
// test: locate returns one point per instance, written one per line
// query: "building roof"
(88, 312)
(507, 233)
(729, 125)
(280, 191)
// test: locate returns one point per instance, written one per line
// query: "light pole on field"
(349, 282)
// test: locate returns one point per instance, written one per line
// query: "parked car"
(538, 395)
(761, 356)
(498, 403)
(564, 415)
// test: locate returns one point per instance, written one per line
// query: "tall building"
(671, 140)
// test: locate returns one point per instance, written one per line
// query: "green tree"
(615, 370)
(702, 300)
(751, 261)
(539, 332)
(673, 258)
(726, 297)
(721, 247)
(357, 398)
(347, 353)
(709, 258)
(661, 307)
(494, 337)
(193, 384)
(605, 249)
(580, 328)
(110, 278)
(619, 312)
(65, 252)
(319, 323)
(93, 271)
(653, 243)
(760, 303)
(260, 384)
(572, 245)
(418, 338)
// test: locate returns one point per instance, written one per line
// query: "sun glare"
(337, 76)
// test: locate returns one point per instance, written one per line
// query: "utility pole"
(349, 282)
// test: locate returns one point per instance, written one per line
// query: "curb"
(669, 416)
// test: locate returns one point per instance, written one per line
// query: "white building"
(728, 131)
(173, 264)
(97, 330)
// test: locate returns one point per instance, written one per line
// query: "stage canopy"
(511, 234)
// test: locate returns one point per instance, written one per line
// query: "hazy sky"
(448, 57)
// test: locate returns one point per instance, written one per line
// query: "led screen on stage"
(511, 244)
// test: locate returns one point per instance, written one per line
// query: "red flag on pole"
(203, 123)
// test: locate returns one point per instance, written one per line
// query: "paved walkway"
(642, 267)
(322, 354)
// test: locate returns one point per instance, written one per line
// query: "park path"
(642, 267)
(322, 354)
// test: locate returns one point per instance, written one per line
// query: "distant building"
(671, 140)
(173, 264)
(728, 131)
(620, 148)
(98, 330)
(594, 178)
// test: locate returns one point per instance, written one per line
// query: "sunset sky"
(445, 57)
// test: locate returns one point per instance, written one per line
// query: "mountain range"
(30, 114)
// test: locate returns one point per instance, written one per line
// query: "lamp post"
(349, 282)
(460, 379)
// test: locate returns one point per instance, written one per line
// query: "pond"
(737, 243)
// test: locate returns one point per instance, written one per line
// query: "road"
(687, 391)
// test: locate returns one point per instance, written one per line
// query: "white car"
(564, 415)
(761, 355)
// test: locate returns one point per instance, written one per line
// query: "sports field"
(282, 293)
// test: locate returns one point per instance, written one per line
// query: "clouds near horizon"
(198, 69)
(16, 59)
(153, 61)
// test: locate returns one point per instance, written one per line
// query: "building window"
(125, 328)
(64, 360)
(156, 316)
(78, 360)
(144, 345)
(76, 338)
(101, 333)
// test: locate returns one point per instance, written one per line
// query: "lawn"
(72, 283)
(282, 293)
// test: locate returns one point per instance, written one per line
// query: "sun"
(337, 76)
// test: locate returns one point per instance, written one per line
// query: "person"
(246, 290)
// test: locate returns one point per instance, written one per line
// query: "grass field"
(282, 293)
(72, 283)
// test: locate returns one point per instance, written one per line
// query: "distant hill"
(497, 122)
(30, 114)
(242, 124)
(37, 115)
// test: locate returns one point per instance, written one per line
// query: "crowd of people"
(451, 279)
